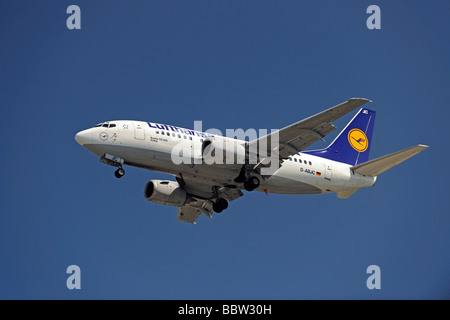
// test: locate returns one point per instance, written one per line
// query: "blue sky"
(231, 64)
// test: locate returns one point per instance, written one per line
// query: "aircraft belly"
(161, 161)
(155, 160)
(130, 154)
(278, 184)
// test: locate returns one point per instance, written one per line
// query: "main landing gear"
(220, 205)
(250, 182)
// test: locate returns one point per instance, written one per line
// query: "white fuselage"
(150, 145)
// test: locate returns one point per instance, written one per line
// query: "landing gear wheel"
(248, 186)
(220, 205)
(119, 173)
(223, 203)
(251, 183)
(216, 208)
(254, 181)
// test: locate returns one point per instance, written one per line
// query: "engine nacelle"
(221, 150)
(165, 192)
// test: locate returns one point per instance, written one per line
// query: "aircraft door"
(139, 131)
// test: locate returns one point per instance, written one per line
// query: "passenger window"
(190, 138)
(299, 160)
(295, 159)
(310, 163)
(179, 136)
(184, 137)
(157, 132)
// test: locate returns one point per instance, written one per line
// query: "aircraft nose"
(83, 137)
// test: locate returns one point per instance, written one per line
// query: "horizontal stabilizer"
(377, 166)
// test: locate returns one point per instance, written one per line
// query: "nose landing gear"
(114, 161)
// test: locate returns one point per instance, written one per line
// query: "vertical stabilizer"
(352, 145)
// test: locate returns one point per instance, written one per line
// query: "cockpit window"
(105, 125)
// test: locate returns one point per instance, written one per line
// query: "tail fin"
(352, 145)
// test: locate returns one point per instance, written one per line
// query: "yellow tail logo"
(358, 140)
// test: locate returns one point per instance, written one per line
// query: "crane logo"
(103, 136)
(358, 140)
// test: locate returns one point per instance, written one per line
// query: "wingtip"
(360, 99)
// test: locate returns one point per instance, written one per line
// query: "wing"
(202, 197)
(297, 136)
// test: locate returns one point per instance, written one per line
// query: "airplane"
(204, 188)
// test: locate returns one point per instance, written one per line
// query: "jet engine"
(165, 192)
(220, 150)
